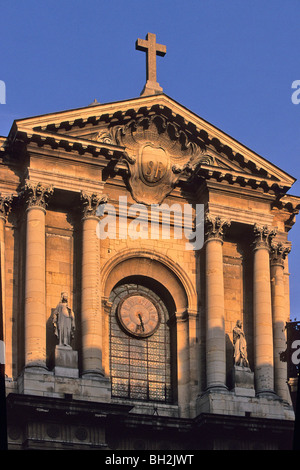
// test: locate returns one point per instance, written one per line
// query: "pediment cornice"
(108, 129)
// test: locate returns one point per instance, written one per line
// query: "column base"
(36, 367)
(93, 374)
(267, 394)
(217, 388)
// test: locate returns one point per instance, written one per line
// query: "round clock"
(138, 315)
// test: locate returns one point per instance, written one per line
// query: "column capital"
(215, 227)
(36, 194)
(181, 315)
(90, 203)
(278, 252)
(263, 235)
(107, 305)
(5, 206)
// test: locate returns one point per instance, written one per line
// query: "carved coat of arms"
(158, 153)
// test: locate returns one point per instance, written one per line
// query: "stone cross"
(152, 49)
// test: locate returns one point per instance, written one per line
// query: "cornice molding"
(197, 142)
(68, 143)
(122, 112)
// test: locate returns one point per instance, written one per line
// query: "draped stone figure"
(64, 322)
(240, 346)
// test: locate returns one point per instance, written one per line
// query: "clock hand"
(141, 320)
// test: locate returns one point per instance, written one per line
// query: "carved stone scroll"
(215, 227)
(263, 236)
(90, 203)
(279, 252)
(36, 194)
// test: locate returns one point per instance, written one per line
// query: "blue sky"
(231, 62)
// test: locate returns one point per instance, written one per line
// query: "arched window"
(140, 352)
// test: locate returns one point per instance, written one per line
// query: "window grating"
(140, 368)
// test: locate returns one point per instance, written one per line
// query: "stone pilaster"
(36, 197)
(215, 321)
(106, 309)
(278, 254)
(91, 316)
(262, 306)
(194, 359)
(183, 362)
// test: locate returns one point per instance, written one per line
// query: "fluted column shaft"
(215, 310)
(262, 306)
(278, 254)
(91, 315)
(35, 289)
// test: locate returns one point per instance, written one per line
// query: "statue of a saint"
(64, 321)
(240, 346)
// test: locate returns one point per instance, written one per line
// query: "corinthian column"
(280, 317)
(36, 197)
(262, 306)
(215, 321)
(91, 316)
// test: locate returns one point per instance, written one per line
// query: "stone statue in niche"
(240, 346)
(64, 322)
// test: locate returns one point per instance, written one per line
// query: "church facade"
(144, 281)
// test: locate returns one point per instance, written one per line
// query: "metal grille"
(140, 368)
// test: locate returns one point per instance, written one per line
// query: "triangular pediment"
(204, 147)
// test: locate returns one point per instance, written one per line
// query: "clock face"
(138, 315)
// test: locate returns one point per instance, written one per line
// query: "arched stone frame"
(169, 274)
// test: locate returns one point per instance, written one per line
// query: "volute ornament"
(279, 252)
(263, 236)
(90, 203)
(36, 194)
(215, 227)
